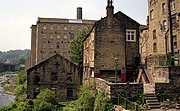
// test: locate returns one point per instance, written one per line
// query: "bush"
(46, 101)
(103, 103)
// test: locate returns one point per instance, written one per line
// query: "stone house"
(113, 43)
(56, 73)
(160, 40)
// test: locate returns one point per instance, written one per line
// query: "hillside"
(14, 56)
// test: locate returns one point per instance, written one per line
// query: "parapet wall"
(172, 88)
(127, 90)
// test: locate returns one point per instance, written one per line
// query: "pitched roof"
(118, 15)
(50, 59)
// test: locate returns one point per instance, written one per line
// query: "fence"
(128, 105)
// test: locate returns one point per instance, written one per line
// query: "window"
(172, 4)
(151, 2)
(54, 76)
(72, 27)
(154, 34)
(65, 54)
(65, 36)
(70, 93)
(58, 36)
(58, 27)
(175, 41)
(65, 27)
(44, 27)
(43, 55)
(164, 25)
(57, 45)
(71, 35)
(65, 44)
(36, 79)
(154, 47)
(44, 36)
(50, 45)
(51, 27)
(44, 45)
(174, 22)
(54, 88)
(151, 14)
(51, 54)
(163, 8)
(36, 91)
(69, 77)
(51, 36)
(130, 35)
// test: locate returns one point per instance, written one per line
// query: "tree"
(76, 46)
(46, 101)
(21, 61)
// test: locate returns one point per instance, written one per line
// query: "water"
(5, 99)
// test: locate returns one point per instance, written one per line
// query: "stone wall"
(161, 74)
(56, 73)
(128, 90)
(171, 89)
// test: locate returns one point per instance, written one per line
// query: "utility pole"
(170, 31)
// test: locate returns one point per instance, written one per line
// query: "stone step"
(154, 106)
(153, 100)
(153, 103)
(150, 94)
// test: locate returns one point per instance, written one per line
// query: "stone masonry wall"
(61, 66)
(128, 90)
(171, 89)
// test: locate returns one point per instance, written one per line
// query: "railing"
(128, 105)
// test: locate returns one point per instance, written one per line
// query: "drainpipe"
(170, 32)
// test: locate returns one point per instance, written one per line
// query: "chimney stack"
(110, 8)
(79, 13)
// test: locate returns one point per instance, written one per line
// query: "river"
(5, 99)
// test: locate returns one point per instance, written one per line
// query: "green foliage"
(10, 88)
(14, 56)
(17, 106)
(103, 103)
(90, 100)
(21, 61)
(21, 89)
(23, 106)
(76, 46)
(21, 77)
(45, 101)
(9, 107)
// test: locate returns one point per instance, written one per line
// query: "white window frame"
(132, 34)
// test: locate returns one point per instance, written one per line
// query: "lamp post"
(116, 61)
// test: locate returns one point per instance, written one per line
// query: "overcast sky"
(17, 16)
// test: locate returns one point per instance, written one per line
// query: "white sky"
(17, 16)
